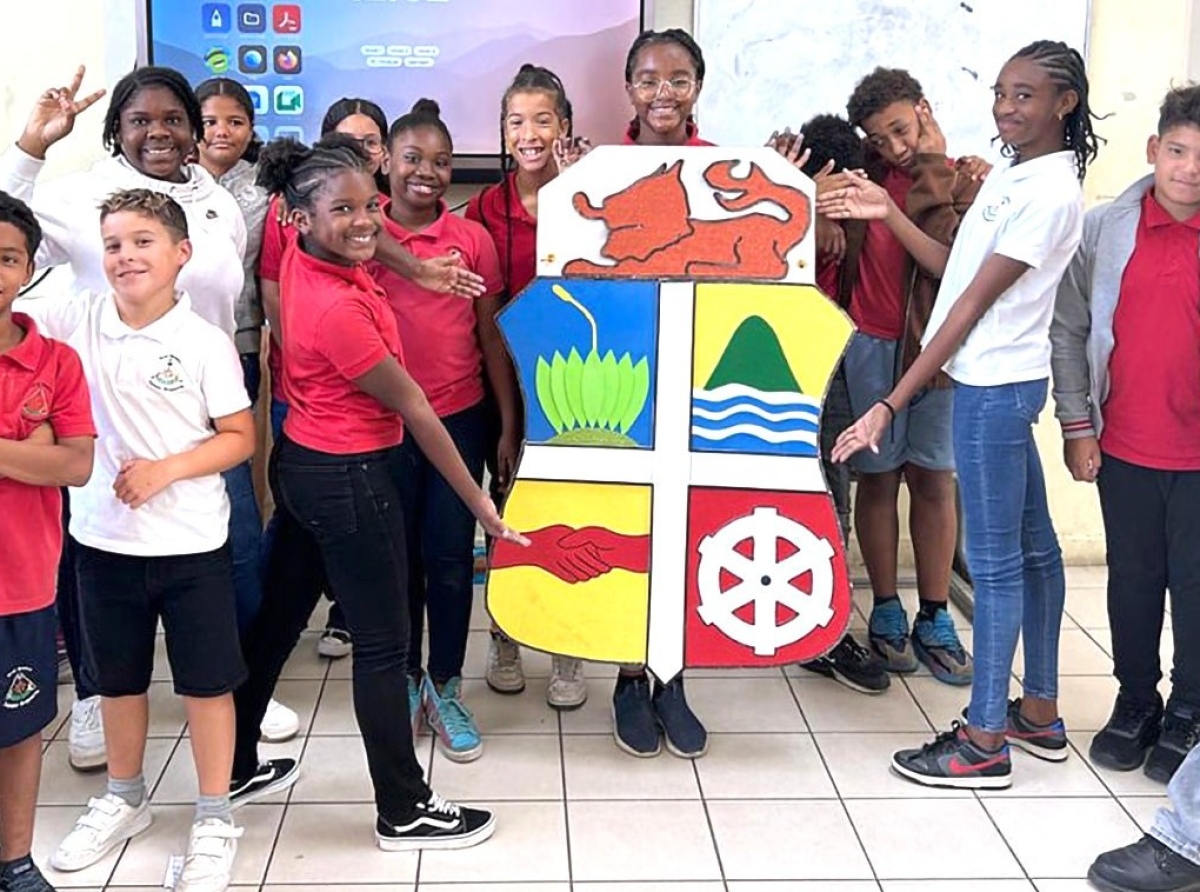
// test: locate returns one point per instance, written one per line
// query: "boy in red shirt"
(1126, 365)
(890, 300)
(46, 439)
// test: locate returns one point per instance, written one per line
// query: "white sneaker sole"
(499, 687)
(953, 783)
(334, 650)
(86, 763)
(457, 756)
(445, 843)
(140, 824)
(1041, 752)
(626, 748)
(566, 704)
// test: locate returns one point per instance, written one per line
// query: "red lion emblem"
(652, 234)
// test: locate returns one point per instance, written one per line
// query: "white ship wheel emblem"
(765, 581)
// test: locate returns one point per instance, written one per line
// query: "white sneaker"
(107, 823)
(335, 644)
(210, 854)
(567, 688)
(279, 723)
(85, 738)
(505, 674)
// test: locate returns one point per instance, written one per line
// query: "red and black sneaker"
(1048, 742)
(952, 760)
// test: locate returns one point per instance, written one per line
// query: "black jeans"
(66, 604)
(441, 547)
(339, 520)
(1152, 526)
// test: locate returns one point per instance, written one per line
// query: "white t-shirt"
(69, 210)
(154, 394)
(1031, 212)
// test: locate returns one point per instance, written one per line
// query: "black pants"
(67, 606)
(441, 547)
(1152, 525)
(339, 522)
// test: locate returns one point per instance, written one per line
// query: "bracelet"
(891, 409)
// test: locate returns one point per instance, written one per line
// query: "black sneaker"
(635, 726)
(272, 776)
(1133, 728)
(954, 761)
(436, 824)
(683, 732)
(854, 666)
(23, 876)
(1145, 866)
(1048, 742)
(1180, 732)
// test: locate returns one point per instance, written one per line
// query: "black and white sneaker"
(854, 666)
(436, 824)
(272, 776)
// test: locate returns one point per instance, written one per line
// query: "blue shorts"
(28, 674)
(921, 434)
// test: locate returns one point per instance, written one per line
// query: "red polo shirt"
(337, 326)
(1152, 412)
(877, 303)
(692, 138)
(41, 382)
(441, 349)
(513, 230)
(276, 237)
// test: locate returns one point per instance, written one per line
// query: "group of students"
(381, 307)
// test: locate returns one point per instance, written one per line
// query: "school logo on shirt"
(36, 405)
(167, 380)
(21, 688)
(992, 211)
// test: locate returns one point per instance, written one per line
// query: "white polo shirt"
(154, 394)
(1031, 212)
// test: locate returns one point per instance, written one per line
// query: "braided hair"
(530, 79)
(299, 173)
(1065, 68)
(677, 36)
(223, 86)
(142, 79)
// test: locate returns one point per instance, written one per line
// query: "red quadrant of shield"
(741, 610)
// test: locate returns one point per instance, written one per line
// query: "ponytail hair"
(224, 86)
(676, 36)
(291, 169)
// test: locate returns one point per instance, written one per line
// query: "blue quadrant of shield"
(585, 355)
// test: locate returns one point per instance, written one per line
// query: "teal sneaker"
(452, 722)
(416, 708)
(937, 646)
(888, 633)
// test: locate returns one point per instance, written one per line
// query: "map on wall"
(776, 63)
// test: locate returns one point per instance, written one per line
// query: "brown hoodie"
(937, 201)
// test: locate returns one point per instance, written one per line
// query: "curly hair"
(1180, 108)
(16, 213)
(878, 90)
(142, 79)
(299, 173)
(832, 138)
(148, 203)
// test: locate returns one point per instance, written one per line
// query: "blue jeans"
(1178, 827)
(441, 547)
(1012, 551)
(245, 540)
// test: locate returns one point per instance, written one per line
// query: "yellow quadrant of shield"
(811, 329)
(603, 619)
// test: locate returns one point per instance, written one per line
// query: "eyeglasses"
(680, 87)
(372, 144)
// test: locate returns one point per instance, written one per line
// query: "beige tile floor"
(794, 796)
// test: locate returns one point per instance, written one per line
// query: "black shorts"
(28, 674)
(121, 599)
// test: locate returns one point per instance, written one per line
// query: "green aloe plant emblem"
(591, 401)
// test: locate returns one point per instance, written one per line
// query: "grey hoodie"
(1081, 335)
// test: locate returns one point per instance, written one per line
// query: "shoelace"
(848, 647)
(943, 634)
(442, 806)
(944, 738)
(456, 718)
